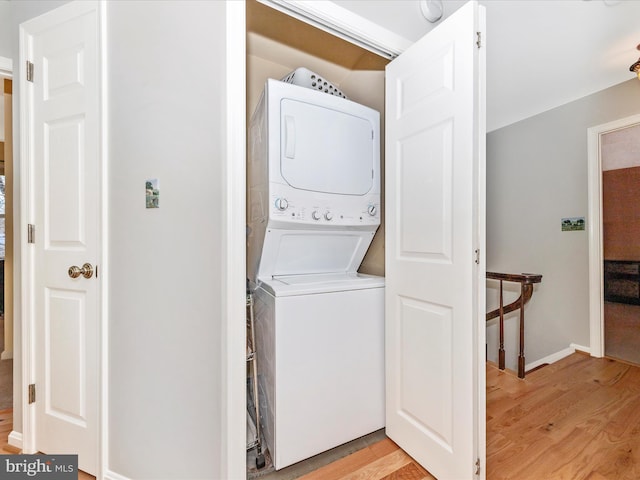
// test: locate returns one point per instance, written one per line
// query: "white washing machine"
(320, 343)
(313, 209)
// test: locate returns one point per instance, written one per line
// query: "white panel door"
(63, 46)
(435, 223)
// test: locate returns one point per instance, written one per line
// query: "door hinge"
(29, 71)
(31, 233)
(477, 260)
(479, 41)
(478, 466)
(32, 393)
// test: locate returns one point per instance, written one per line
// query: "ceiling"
(540, 53)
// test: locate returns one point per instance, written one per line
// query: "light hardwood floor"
(578, 419)
(383, 460)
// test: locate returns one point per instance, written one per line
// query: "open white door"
(62, 98)
(435, 228)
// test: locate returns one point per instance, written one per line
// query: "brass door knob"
(86, 271)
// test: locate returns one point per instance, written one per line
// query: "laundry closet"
(313, 303)
(430, 263)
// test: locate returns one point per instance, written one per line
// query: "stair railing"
(526, 281)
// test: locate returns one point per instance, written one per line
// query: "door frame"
(596, 252)
(26, 255)
(344, 24)
(349, 26)
(233, 410)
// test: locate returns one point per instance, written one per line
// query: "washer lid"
(289, 285)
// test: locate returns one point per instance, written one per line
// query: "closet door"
(435, 227)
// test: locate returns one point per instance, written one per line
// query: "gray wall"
(536, 175)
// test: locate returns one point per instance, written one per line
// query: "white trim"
(481, 245)
(108, 474)
(554, 357)
(233, 292)
(102, 463)
(15, 439)
(26, 253)
(580, 348)
(596, 255)
(6, 67)
(343, 23)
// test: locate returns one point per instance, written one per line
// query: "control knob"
(371, 210)
(315, 215)
(282, 204)
(328, 216)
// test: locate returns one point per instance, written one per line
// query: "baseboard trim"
(15, 439)
(580, 348)
(554, 357)
(109, 475)
(6, 355)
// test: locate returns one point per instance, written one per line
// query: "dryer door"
(326, 150)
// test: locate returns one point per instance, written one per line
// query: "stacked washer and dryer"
(313, 209)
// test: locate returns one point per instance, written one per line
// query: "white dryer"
(313, 208)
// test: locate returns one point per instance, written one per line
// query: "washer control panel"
(312, 209)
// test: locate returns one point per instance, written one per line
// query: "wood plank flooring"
(383, 460)
(577, 419)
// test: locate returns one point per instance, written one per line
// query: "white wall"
(5, 29)
(166, 121)
(536, 175)
(403, 17)
(166, 87)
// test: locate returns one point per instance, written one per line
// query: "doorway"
(416, 249)
(621, 245)
(6, 237)
(612, 257)
(277, 44)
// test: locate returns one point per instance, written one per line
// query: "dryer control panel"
(306, 208)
